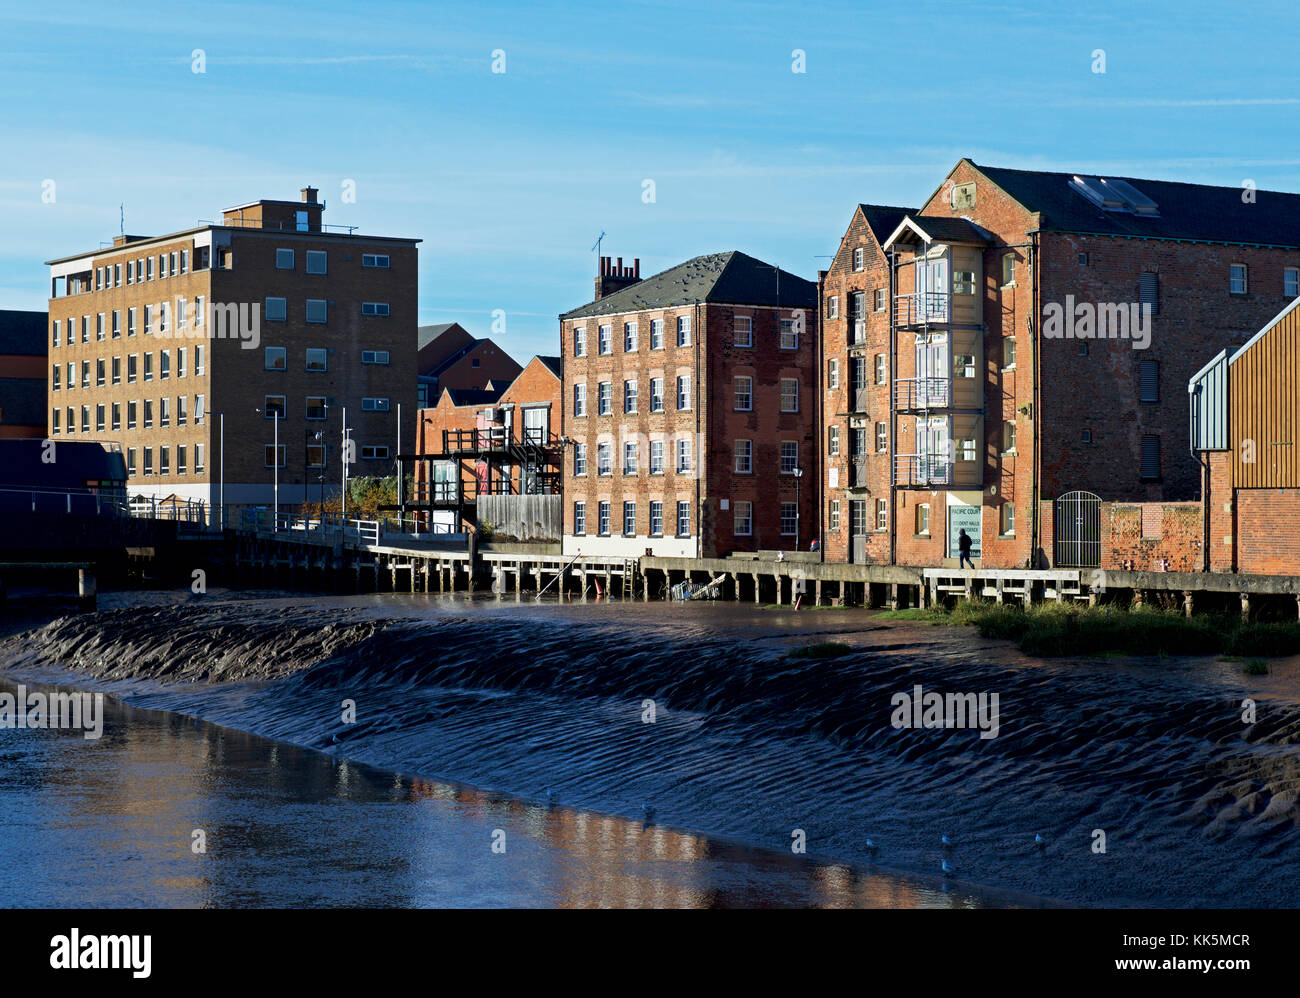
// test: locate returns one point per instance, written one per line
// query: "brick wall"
(1151, 537)
(1268, 537)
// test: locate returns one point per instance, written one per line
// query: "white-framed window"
(656, 334)
(373, 404)
(198, 358)
(274, 359)
(882, 369)
(148, 320)
(656, 394)
(579, 518)
(54, 420)
(199, 467)
(882, 437)
(579, 341)
(148, 368)
(629, 395)
(99, 326)
(148, 413)
(629, 337)
(629, 457)
(604, 398)
(149, 267)
(832, 306)
(744, 331)
(629, 518)
(199, 409)
(580, 400)
(380, 357)
(878, 299)
(833, 441)
(683, 330)
(789, 519)
(1291, 282)
(164, 365)
(789, 457)
(1007, 520)
(317, 262)
(744, 393)
(789, 335)
(923, 518)
(602, 517)
(656, 457)
(656, 518)
(833, 520)
(603, 344)
(604, 459)
(181, 414)
(131, 364)
(379, 308)
(963, 282)
(117, 369)
(1009, 353)
(185, 261)
(1008, 436)
(683, 455)
(683, 518)
(380, 260)
(165, 411)
(744, 457)
(317, 310)
(1008, 270)
(130, 323)
(54, 377)
(683, 391)
(789, 394)
(198, 313)
(117, 324)
(99, 418)
(58, 325)
(742, 524)
(317, 359)
(1237, 279)
(579, 459)
(181, 318)
(276, 309)
(859, 257)
(833, 373)
(882, 515)
(284, 259)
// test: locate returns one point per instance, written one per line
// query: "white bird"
(872, 848)
(947, 842)
(948, 869)
(1039, 841)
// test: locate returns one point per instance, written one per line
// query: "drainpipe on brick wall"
(819, 412)
(1035, 340)
(893, 416)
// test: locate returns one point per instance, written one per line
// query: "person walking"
(964, 545)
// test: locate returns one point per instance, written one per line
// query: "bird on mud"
(948, 868)
(947, 842)
(872, 849)
(649, 813)
(1040, 841)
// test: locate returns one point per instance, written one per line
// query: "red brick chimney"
(614, 276)
(309, 195)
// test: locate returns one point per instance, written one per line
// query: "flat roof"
(153, 240)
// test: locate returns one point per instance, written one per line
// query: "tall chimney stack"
(615, 277)
(309, 195)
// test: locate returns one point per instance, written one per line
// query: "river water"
(548, 729)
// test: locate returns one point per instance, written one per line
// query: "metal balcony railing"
(922, 469)
(922, 393)
(917, 307)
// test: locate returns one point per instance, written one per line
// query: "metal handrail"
(922, 469)
(922, 393)
(912, 307)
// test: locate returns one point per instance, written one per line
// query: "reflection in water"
(111, 823)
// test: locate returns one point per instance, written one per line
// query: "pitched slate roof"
(732, 277)
(942, 230)
(1187, 211)
(883, 219)
(473, 396)
(554, 364)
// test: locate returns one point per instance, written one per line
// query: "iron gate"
(1078, 530)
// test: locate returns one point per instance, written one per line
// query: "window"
(579, 459)
(656, 334)
(683, 391)
(1291, 282)
(629, 337)
(317, 359)
(181, 317)
(276, 309)
(99, 418)
(99, 326)
(579, 518)
(130, 271)
(371, 452)
(656, 518)
(54, 420)
(1008, 436)
(965, 448)
(683, 330)
(834, 518)
(1007, 519)
(71, 422)
(742, 524)
(276, 359)
(744, 389)
(629, 458)
(602, 518)
(375, 357)
(199, 409)
(604, 459)
(148, 460)
(789, 335)
(130, 322)
(273, 456)
(683, 519)
(629, 518)
(858, 255)
(744, 457)
(198, 359)
(963, 282)
(85, 418)
(1237, 279)
(316, 310)
(789, 519)
(604, 398)
(148, 320)
(629, 396)
(198, 321)
(1149, 381)
(1009, 354)
(54, 378)
(882, 515)
(882, 369)
(580, 400)
(656, 457)
(603, 345)
(117, 324)
(180, 410)
(923, 518)
(683, 456)
(1149, 291)
(833, 441)
(1086, 436)
(744, 331)
(832, 306)
(148, 367)
(130, 415)
(1008, 270)
(164, 364)
(579, 341)
(148, 413)
(198, 459)
(789, 457)
(1083, 349)
(317, 262)
(185, 261)
(833, 374)
(789, 395)
(164, 411)
(57, 334)
(379, 308)
(149, 267)
(882, 438)
(656, 394)
(380, 260)
(879, 299)
(273, 407)
(284, 259)
(164, 314)
(99, 372)
(171, 260)
(316, 407)
(374, 405)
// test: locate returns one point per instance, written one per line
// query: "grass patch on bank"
(823, 649)
(1058, 629)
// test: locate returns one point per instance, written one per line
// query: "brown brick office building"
(689, 411)
(995, 392)
(269, 311)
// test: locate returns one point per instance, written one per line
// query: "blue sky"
(510, 177)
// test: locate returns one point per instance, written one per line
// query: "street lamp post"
(798, 507)
(275, 466)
